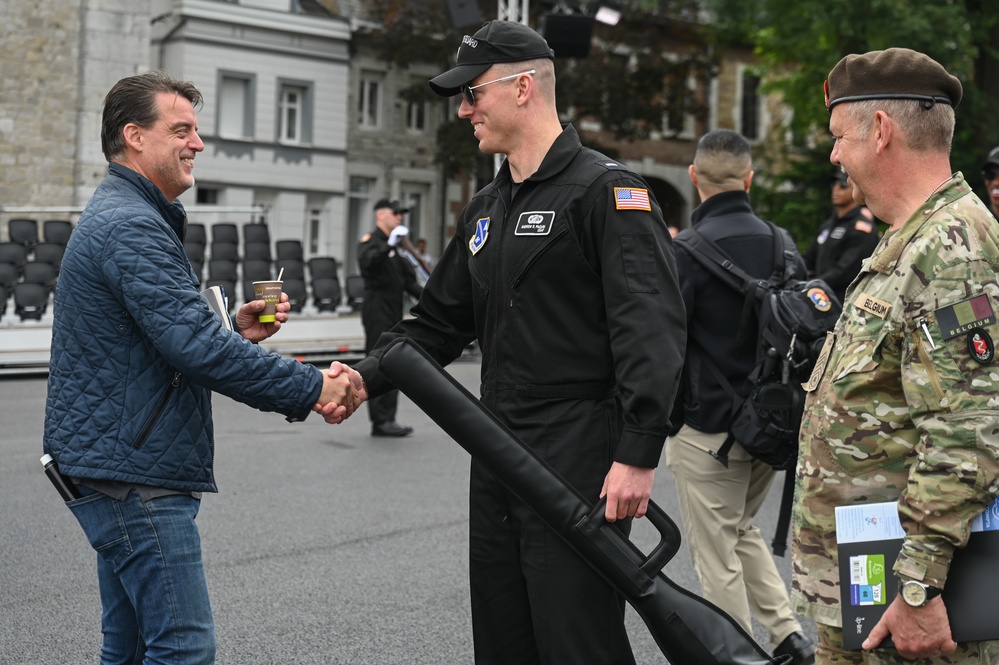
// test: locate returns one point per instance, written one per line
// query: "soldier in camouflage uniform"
(903, 403)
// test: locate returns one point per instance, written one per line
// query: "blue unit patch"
(480, 237)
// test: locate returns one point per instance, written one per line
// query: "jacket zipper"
(154, 418)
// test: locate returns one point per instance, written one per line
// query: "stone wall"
(39, 71)
(57, 61)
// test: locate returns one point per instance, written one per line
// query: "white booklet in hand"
(217, 301)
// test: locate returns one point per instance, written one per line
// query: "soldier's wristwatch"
(916, 593)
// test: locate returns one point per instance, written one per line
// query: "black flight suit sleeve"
(444, 320)
(645, 317)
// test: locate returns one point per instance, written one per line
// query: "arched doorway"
(675, 208)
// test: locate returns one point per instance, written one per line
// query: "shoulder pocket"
(638, 251)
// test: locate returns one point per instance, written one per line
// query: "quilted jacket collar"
(173, 213)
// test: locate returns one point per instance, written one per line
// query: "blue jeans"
(152, 581)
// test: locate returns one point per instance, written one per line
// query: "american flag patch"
(627, 198)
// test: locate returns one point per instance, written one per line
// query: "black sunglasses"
(991, 172)
(470, 96)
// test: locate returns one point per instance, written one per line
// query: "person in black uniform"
(562, 269)
(387, 276)
(990, 173)
(843, 241)
(718, 501)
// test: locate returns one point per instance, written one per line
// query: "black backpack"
(793, 316)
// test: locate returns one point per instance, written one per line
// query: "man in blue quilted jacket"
(136, 354)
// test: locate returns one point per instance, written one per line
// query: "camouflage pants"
(831, 652)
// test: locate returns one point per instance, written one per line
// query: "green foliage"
(637, 73)
(798, 44)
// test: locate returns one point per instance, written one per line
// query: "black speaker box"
(464, 13)
(568, 34)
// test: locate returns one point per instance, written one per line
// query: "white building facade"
(274, 120)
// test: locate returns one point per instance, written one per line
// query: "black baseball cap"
(495, 42)
(992, 159)
(838, 178)
(392, 204)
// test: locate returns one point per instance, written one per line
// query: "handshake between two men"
(343, 393)
(343, 388)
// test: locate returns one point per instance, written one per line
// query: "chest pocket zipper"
(924, 358)
(525, 266)
(154, 418)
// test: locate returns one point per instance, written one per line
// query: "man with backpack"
(720, 492)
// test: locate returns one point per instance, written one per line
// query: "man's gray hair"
(926, 129)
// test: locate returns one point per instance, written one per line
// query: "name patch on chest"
(872, 305)
(965, 316)
(535, 223)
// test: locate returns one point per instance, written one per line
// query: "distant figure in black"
(387, 274)
(843, 241)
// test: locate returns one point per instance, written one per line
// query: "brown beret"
(895, 73)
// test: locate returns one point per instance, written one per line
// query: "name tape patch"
(535, 223)
(872, 305)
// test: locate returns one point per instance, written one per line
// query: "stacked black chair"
(57, 231)
(326, 292)
(14, 253)
(4, 297)
(222, 272)
(289, 249)
(225, 232)
(30, 301)
(322, 266)
(50, 252)
(9, 275)
(254, 270)
(297, 294)
(194, 247)
(23, 232)
(257, 250)
(355, 291)
(225, 250)
(290, 269)
(40, 272)
(196, 233)
(196, 255)
(199, 270)
(257, 270)
(222, 269)
(256, 232)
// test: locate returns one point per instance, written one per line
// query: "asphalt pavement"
(323, 545)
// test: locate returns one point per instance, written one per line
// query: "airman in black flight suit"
(387, 276)
(562, 269)
(843, 241)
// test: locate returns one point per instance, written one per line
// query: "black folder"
(868, 585)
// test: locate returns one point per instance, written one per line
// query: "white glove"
(397, 234)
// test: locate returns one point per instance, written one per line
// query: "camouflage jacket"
(905, 404)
